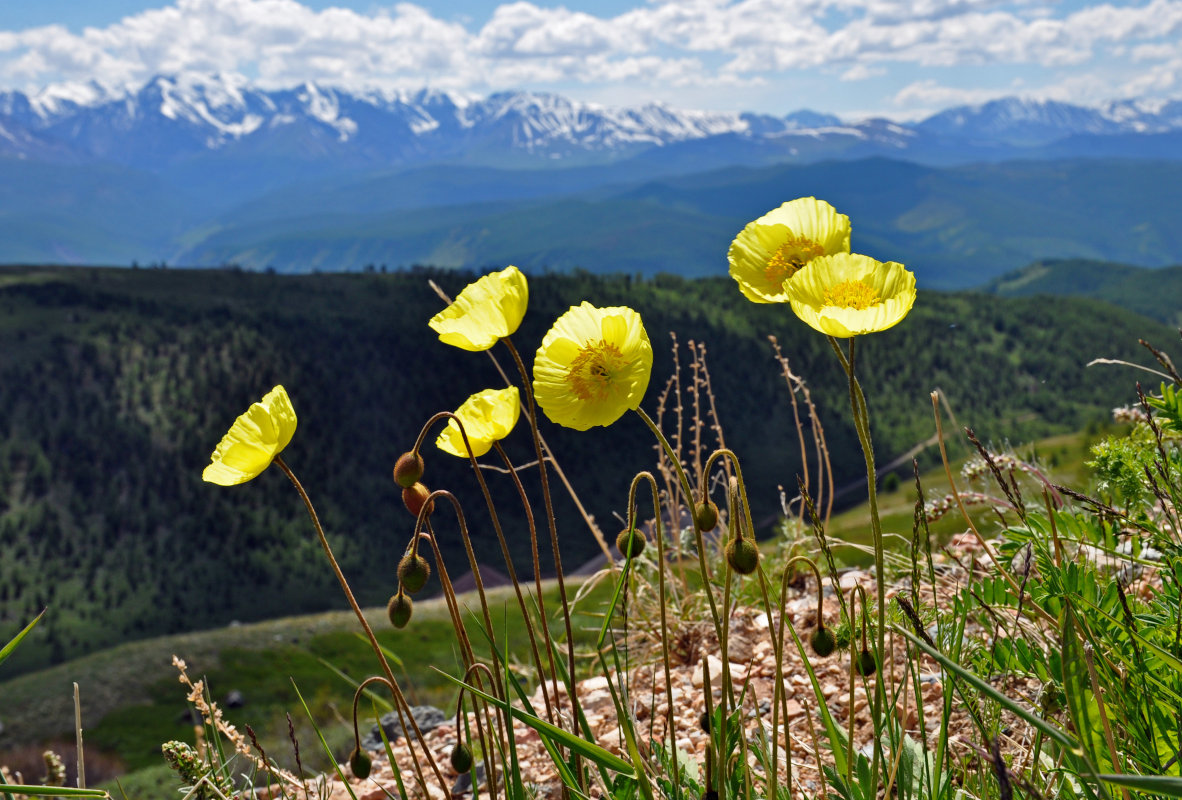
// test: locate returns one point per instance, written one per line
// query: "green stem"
(862, 423)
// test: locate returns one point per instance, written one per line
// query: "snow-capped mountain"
(177, 117)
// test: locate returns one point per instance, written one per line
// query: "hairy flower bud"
(414, 497)
(360, 763)
(706, 516)
(461, 758)
(408, 469)
(413, 572)
(399, 610)
(866, 663)
(743, 555)
(704, 722)
(630, 543)
(822, 641)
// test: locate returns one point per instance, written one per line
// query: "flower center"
(852, 294)
(789, 257)
(594, 370)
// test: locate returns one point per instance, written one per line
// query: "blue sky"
(901, 58)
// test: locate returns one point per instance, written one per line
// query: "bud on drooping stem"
(413, 572)
(630, 543)
(360, 763)
(415, 496)
(408, 469)
(399, 609)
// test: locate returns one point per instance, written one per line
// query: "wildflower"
(486, 311)
(253, 440)
(593, 365)
(848, 294)
(487, 416)
(774, 247)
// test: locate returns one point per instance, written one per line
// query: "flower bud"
(706, 516)
(399, 610)
(743, 555)
(822, 641)
(408, 469)
(704, 722)
(866, 664)
(360, 763)
(413, 572)
(414, 497)
(630, 543)
(461, 758)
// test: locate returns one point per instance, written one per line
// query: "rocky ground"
(752, 664)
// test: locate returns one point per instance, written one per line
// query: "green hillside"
(1155, 293)
(116, 384)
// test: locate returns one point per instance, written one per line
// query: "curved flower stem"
(689, 499)
(466, 653)
(533, 538)
(486, 616)
(862, 423)
(548, 501)
(475, 666)
(400, 700)
(496, 521)
(670, 723)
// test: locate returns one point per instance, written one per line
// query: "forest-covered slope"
(116, 384)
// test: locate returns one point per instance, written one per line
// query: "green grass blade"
(324, 744)
(1160, 785)
(8, 648)
(836, 739)
(568, 740)
(1074, 751)
(53, 791)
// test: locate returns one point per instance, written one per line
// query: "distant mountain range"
(175, 118)
(201, 169)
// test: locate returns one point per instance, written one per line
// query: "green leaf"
(1162, 785)
(8, 648)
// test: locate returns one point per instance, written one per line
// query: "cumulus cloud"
(658, 43)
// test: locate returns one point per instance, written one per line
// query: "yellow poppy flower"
(488, 417)
(593, 365)
(486, 311)
(849, 294)
(253, 440)
(771, 249)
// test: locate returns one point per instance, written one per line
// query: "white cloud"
(657, 44)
